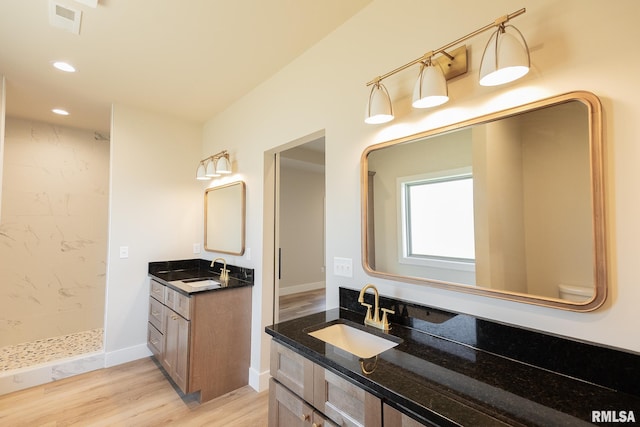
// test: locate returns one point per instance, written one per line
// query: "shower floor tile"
(49, 349)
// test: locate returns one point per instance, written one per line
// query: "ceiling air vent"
(64, 17)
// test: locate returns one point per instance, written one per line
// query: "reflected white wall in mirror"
(537, 204)
(224, 218)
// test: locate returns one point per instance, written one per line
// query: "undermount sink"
(199, 283)
(355, 341)
(196, 284)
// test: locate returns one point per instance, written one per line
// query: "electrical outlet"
(196, 248)
(343, 267)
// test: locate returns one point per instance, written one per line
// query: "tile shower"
(53, 243)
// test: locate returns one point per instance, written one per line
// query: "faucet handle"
(385, 321)
(368, 316)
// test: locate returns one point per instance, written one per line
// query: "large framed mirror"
(224, 218)
(508, 205)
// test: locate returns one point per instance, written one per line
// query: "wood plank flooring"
(133, 394)
(301, 304)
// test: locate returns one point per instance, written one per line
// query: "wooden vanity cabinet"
(395, 418)
(306, 394)
(202, 340)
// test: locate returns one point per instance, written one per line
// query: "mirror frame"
(596, 148)
(207, 246)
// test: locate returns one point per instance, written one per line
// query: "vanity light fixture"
(504, 60)
(379, 108)
(431, 87)
(214, 166)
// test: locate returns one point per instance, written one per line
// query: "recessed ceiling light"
(60, 112)
(64, 66)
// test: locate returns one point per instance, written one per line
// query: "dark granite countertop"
(178, 274)
(442, 380)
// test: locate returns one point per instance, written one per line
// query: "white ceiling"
(188, 58)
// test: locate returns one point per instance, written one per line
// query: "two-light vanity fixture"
(504, 60)
(214, 166)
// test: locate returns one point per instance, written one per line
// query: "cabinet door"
(176, 348)
(343, 402)
(321, 421)
(286, 409)
(181, 373)
(292, 370)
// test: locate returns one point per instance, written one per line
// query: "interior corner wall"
(156, 211)
(3, 113)
(324, 89)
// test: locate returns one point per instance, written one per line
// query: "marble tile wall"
(53, 231)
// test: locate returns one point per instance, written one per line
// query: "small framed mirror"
(508, 205)
(224, 218)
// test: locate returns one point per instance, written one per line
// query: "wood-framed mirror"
(507, 205)
(224, 218)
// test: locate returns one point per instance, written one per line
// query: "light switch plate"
(343, 267)
(124, 252)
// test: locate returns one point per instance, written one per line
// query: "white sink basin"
(196, 285)
(353, 340)
(201, 283)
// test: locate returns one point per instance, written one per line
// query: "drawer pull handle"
(305, 417)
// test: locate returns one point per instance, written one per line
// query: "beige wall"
(156, 210)
(324, 89)
(301, 228)
(53, 234)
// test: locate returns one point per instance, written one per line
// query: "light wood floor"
(301, 304)
(132, 394)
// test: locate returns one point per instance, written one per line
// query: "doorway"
(300, 230)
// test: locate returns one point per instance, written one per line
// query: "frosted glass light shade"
(201, 172)
(223, 166)
(430, 89)
(505, 59)
(379, 109)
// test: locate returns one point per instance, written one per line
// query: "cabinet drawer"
(155, 340)
(292, 370)
(156, 314)
(343, 402)
(286, 409)
(182, 305)
(179, 303)
(157, 290)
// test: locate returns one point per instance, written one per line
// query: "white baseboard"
(125, 355)
(20, 379)
(259, 381)
(305, 287)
